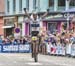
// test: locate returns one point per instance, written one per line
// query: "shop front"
(52, 25)
(56, 24)
(9, 26)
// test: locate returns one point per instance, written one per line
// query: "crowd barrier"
(17, 48)
(49, 49)
(61, 50)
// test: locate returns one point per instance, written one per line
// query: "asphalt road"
(24, 59)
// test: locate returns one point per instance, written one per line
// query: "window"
(27, 4)
(14, 5)
(61, 2)
(20, 5)
(52, 27)
(8, 5)
(51, 3)
(34, 4)
(72, 3)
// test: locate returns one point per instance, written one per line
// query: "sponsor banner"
(63, 51)
(17, 48)
(68, 49)
(24, 48)
(10, 48)
(73, 50)
(48, 48)
(53, 50)
(58, 50)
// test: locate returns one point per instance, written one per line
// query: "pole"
(38, 5)
(67, 2)
(67, 21)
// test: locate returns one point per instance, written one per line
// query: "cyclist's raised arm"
(45, 14)
(26, 13)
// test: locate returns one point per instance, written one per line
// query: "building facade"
(14, 9)
(16, 6)
(2, 7)
(2, 10)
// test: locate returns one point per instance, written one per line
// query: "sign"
(53, 50)
(73, 50)
(10, 48)
(59, 50)
(17, 30)
(20, 19)
(24, 48)
(15, 48)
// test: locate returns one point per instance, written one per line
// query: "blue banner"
(24, 48)
(10, 48)
(18, 48)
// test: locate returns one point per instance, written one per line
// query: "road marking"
(33, 63)
(61, 64)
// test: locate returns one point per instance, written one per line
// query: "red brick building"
(2, 10)
(2, 7)
(1, 25)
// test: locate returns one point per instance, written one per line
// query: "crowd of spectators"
(57, 38)
(13, 40)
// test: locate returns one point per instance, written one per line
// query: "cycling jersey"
(34, 26)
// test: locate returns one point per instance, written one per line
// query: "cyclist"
(34, 25)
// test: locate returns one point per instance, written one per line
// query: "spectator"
(24, 41)
(3, 42)
(15, 41)
(0, 40)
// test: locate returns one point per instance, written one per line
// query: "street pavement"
(24, 59)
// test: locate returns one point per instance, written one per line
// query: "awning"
(7, 26)
(71, 10)
(59, 19)
(56, 16)
(8, 17)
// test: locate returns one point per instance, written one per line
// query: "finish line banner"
(15, 48)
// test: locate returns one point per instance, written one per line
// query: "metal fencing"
(59, 50)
